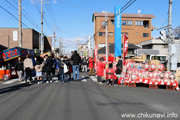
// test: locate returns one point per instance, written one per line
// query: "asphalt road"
(85, 100)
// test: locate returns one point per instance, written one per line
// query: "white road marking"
(10, 81)
(83, 79)
(93, 78)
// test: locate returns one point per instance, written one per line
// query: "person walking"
(48, 68)
(76, 61)
(84, 64)
(119, 65)
(28, 67)
(19, 67)
(91, 66)
(54, 66)
(100, 70)
(61, 69)
(67, 63)
(38, 69)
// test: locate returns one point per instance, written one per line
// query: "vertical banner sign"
(117, 29)
(15, 36)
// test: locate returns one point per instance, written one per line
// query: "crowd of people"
(63, 67)
(49, 67)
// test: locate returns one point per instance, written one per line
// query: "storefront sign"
(8, 54)
(14, 52)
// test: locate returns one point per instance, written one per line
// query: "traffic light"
(163, 37)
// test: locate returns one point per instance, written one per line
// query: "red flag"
(125, 48)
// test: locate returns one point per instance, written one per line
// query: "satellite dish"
(139, 11)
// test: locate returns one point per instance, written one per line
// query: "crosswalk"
(10, 81)
(82, 79)
(93, 78)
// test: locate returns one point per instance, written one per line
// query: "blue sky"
(73, 18)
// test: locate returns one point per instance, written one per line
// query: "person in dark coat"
(76, 61)
(119, 66)
(19, 67)
(48, 68)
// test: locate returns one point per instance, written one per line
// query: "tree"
(177, 31)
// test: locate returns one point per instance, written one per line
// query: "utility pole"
(78, 45)
(59, 46)
(42, 36)
(54, 39)
(20, 23)
(89, 45)
(107, 43)
(169, 36)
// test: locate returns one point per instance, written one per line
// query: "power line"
(76, 6)
(128, 6)
(31, 21)
(14, 17)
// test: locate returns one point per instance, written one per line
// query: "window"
(102, 45)
(110, 33)
(127, 22)
(138, 23)
(112, 22)
(104, 23)
(145, 34)
(142, 23)
(102, 34)
(124, 33)
(146, 24)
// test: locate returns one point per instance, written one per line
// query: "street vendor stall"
(8, 60)
(152, 74)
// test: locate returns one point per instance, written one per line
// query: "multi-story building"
(30, 39)
(83, 50)
(136, 26)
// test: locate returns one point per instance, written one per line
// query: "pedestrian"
(54, 66)
(91, 66)
(100, 70)
(28, 67)
(38, 69)
(48, 68)
(84, 64)
(76, 61)
(19, 67)
(61, 69)
(70, 70)
(119, 65)
(67, 63)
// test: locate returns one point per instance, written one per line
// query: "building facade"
(30, 39)
(83, 50)
(136, 26)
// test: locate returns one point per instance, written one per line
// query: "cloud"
(70, 44)
(34, 2)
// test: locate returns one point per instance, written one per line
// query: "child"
(38, 69)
